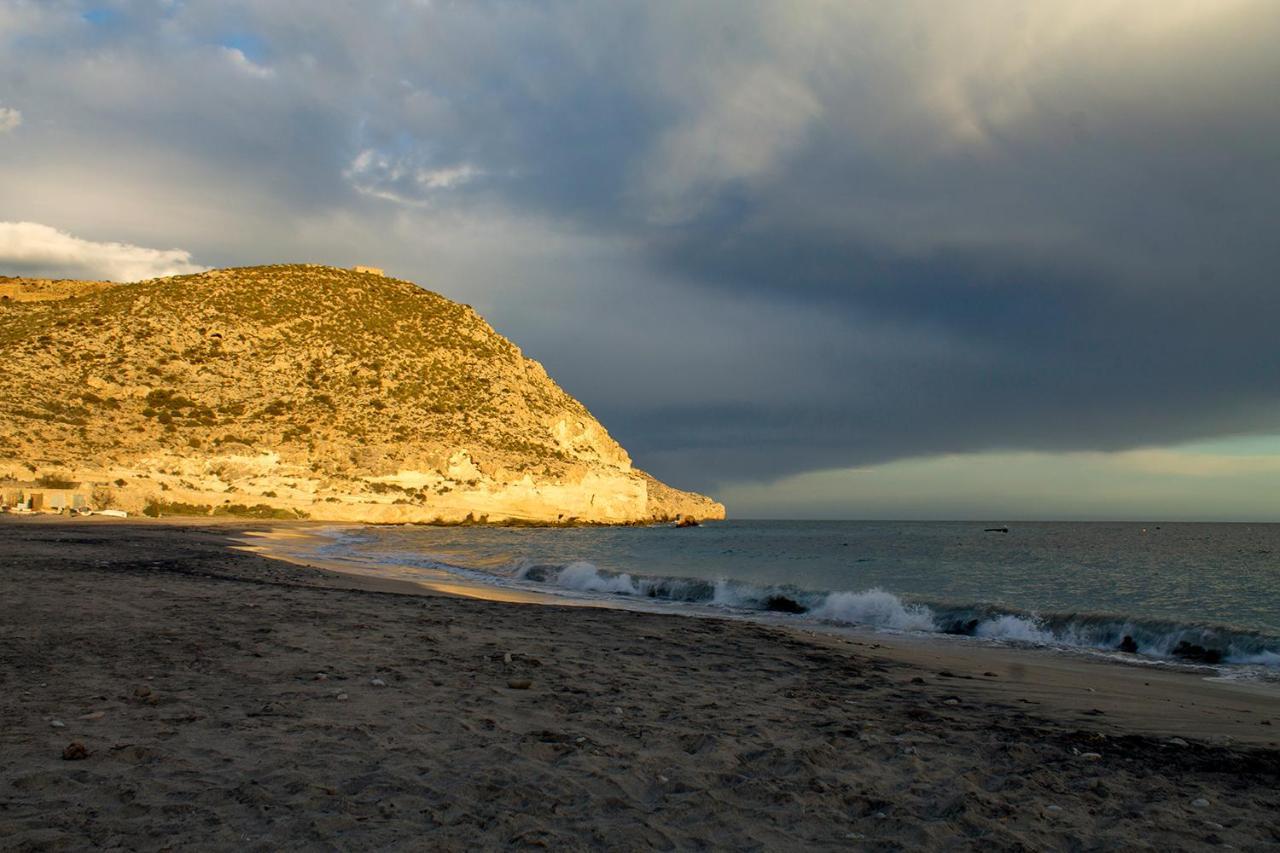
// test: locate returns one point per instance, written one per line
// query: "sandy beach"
(162, 689)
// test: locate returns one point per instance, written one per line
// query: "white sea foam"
(585, 577)
(1009, 627)
(876, 608)
(1263, 658)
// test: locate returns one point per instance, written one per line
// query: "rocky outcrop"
(303, 390)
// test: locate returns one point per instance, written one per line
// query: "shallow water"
(1169, 587)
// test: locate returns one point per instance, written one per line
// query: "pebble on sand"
(519, 684)
(377, 682)
(1090, 756)
(1053, 809)
(1200, 803)
(342, 697)
(1177, 741)
(58, 724)
(75, 751)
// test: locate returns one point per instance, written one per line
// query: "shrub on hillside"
(259, 511)
(157, 508)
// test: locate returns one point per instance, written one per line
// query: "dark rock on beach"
(75, 751)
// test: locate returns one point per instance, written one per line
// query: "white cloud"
(443, 179)
(401, 180)
(245, 65)
(9, 119)
(33, 249)
(743, 133)
(985, 70)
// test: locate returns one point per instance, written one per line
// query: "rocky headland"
(299, 391)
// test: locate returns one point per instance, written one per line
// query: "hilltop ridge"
(302, 389)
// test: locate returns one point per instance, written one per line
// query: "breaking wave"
(876, 608)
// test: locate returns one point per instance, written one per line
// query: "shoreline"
(226, 700)
(1062, 682)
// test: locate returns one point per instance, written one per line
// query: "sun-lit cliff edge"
(305, 390)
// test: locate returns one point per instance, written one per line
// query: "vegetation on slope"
(332, 355)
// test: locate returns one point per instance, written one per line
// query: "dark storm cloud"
(755, 238)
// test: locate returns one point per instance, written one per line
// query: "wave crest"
(878, 608)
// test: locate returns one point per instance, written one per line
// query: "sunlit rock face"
(301, 390)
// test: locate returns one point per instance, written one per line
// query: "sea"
(1204, 595)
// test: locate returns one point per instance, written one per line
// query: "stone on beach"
(75, 751)
(519, 684)
(377, 682)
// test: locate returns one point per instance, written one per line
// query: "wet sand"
(227, 700)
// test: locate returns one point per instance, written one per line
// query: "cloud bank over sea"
(758, 239)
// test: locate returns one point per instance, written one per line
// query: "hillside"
(301, 390)
(44, 289)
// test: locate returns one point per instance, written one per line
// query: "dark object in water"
(1128, 644)
(964, 628)
(540, 573)
(996, 530)
(688, 521)
(1196, 652)
(783, 604)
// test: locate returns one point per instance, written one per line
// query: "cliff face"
(335, 394)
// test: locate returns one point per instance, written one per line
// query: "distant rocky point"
(297, 391)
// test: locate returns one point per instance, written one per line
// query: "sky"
(981, 259)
